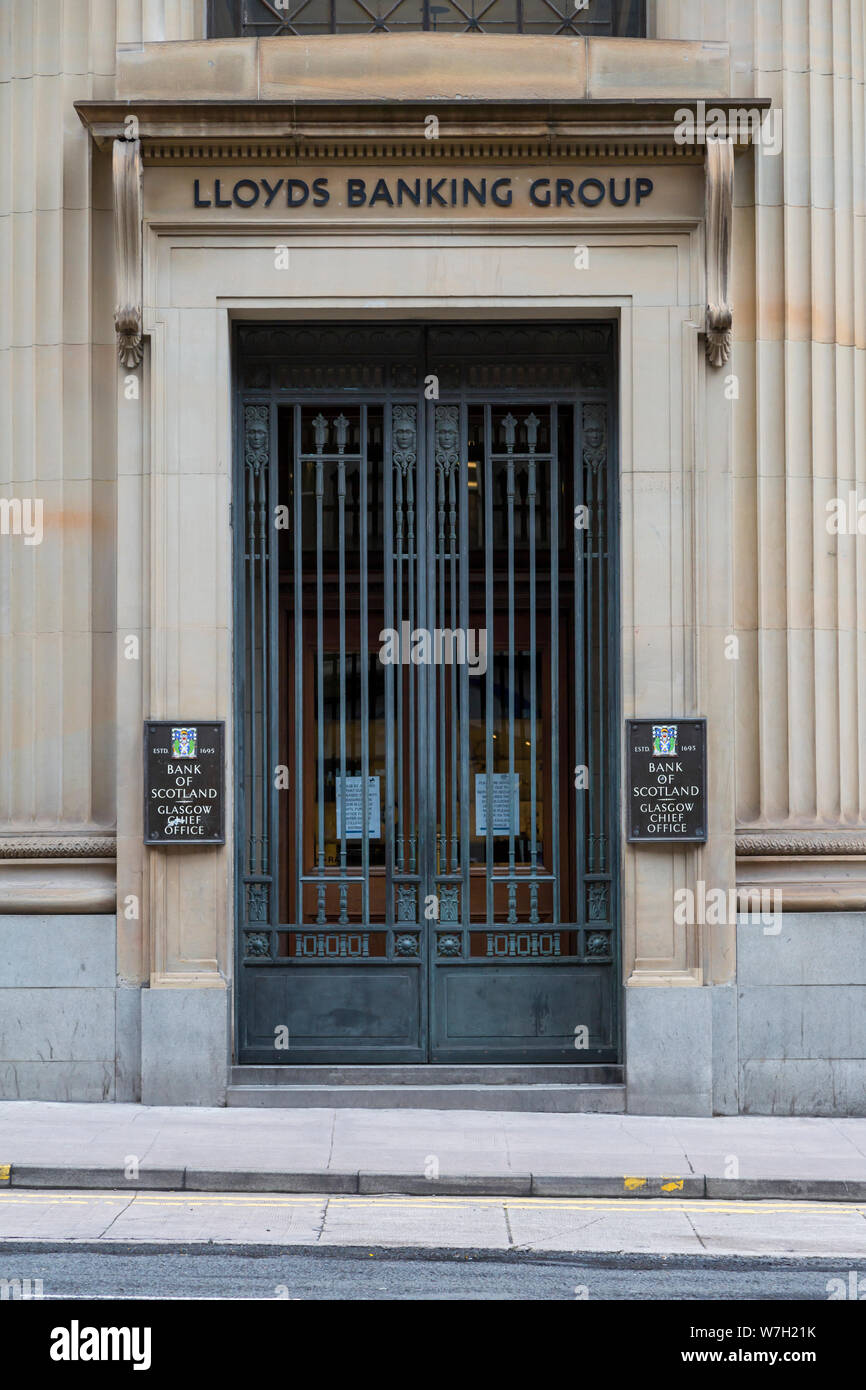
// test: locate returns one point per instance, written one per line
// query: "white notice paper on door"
(355, 808)
(505, 818)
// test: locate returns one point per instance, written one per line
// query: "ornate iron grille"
(415, 837)
(270, 19)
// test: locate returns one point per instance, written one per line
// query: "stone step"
(541, 1096)
(429, 1074)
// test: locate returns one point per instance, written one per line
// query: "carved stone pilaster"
(126, 167)
(719, 216)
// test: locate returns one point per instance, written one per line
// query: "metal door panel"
(336, 1013)
(469, 910)
(537, 1008)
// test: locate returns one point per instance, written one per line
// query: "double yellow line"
(452, 1203)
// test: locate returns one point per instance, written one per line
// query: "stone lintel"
(431, 67)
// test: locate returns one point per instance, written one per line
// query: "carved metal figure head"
(256, 437)
(446, 430)
(593, 429)
(405, 431)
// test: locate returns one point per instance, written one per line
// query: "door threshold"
(429, 1073)
(563, 1089)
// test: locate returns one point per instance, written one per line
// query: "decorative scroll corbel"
(126, 167)
(719, 216)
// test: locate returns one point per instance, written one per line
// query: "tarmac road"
(466, 1275)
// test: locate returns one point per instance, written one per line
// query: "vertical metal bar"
(512, 886)
(239, 722)
(251, 657)
(601, 587)
(388, 588)
(580, 796)
(453, 485)
(613, 694)
(465, 791)
(321, 427)
(298, 557)
(365, 693)
(274, 828)
(552, 813)
(341, 547)
(593, 598)
(533, 772)
(440, 470)
(398, 583)
(488, 687)
(427, 714)
(263, 631)
(413, 563)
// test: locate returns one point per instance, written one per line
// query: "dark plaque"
(183, 783)
(667, 781)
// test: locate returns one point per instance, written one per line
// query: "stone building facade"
(151, 178)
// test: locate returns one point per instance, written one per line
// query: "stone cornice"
(58, 847)
(802, 842)
(269, 131)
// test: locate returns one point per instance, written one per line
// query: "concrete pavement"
(154, 1220)
(137, 1148)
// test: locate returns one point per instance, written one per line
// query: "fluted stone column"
(70, 700)
(56, 366)
(57, 651)
(159, 21)
(801, 609)
(799, 735)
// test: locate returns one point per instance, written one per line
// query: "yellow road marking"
(457, 1203)
(667, 1184)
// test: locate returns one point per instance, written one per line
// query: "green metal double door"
(426, 806)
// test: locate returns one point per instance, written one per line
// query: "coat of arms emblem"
(664, 738)
(183, 742)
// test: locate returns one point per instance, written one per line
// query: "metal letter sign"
(667, 781)
(183, 783)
